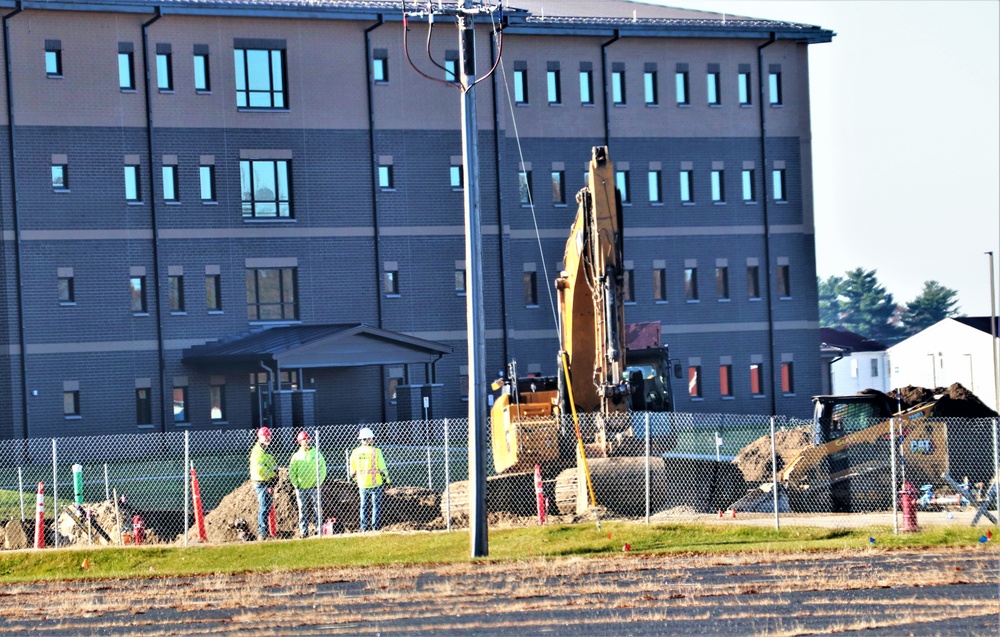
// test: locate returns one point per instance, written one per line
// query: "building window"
(463, 382)
(460, 280)
(874, 364)
(65, 292)
(586, 87)
(726, 380)
(164, 72)
(784, 282)
(618, 88)
(714, 99)
(659, 285)
(787, 378)
(451, 67)
(264, 185)
(175, 285)
(217, 402)
(683, 95)
(456, 177)
(718, 187)
(271, 294)
(650, 88)
(202, 76)
(260, 78)
(391, 280)
(206, 178)
(59, 180)
(394, 378)
(170, 183)
(655, 179)
(143, 406)
(213, 292)
(530, 289)
(521, 86)
(126, 76)
(380, 66)
(757, 379)
(743, 82)
(138, 285)
(774, 88)
(385, 177)
(621, 183)
(686, 192)
(524, 186)
(132, 184)
(753, 281)
(180, 396)
(694, 381)
(691, 284)
(553, 86)
(778, 180)
(722, 282)
(71, 404)
(558, 187)
(628, 286)
(53, 58)
(748, 185)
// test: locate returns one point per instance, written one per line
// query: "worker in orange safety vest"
(369, 471)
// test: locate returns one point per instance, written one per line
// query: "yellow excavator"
(583, 412)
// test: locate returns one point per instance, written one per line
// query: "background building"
(177, 174)
(855, 363)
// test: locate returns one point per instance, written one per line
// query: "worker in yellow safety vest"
(264, 475)
(369, 470)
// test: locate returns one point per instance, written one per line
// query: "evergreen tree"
(829, 301)
(934, 303)
(866, 308)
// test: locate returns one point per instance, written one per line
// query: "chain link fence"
(193, 486)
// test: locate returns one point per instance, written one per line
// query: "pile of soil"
(754, 460)
(955, 401)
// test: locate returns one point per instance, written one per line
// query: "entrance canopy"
(315, 346)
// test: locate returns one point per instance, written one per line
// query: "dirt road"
(877, 593)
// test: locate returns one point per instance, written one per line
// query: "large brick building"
(175, 174)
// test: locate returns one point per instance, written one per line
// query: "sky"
(905, 105)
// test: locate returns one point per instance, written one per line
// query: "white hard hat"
(365, 434)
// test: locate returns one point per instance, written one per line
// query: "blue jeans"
(374, 496)
(264, 500)
(307, 510)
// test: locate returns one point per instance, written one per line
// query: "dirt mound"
(955, 401)
(754, 460)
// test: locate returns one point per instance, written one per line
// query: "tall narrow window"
(138, 287)
(753, 281)
(217, 402)
(718, 187)
(655, 179)
(524, 186)
(175, 284)
(64, 288)
(71, 403)
(694, 381)
(726, 380)
(743, 84)
(553, 86)
(456, 177)
(784, 281)
(686, 192)
(380, 66)
(628, 285)
(660, 285)
(143, 406)
(260, 78)
(530, 289)
(451, 70)
(202, 74)
(206, 179)
(126, 74)
(164, 68)
(271, 294)
(53, 58)
(385, 177)
(520, 84)
(265, 188)
(59, 180)
(586, 86)
(213, 293)
(757, 379)
(558, 187)
(391, 281)
(650, 88)
(775, 88)
(749, 193)
(618, 87)
(180, 396)
(170, 183)
(691, 284)
(683, 95)
(874, 368)
(787, 378)
(778, 182)
(714, 99)
(722, 282)
(460, 278)
(132, 184)
(621, 183)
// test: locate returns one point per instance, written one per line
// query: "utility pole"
(475, 325)
(993, 334)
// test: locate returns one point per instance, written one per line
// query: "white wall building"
(856, 363)
(954, 350)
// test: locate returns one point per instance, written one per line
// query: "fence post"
(55, 491)
(647, 467)
(774, 475)
(187, 494)
(892, 462)
(447, 477)
(20, 490)
(319, 488)
(107, 486)
(996, 469)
